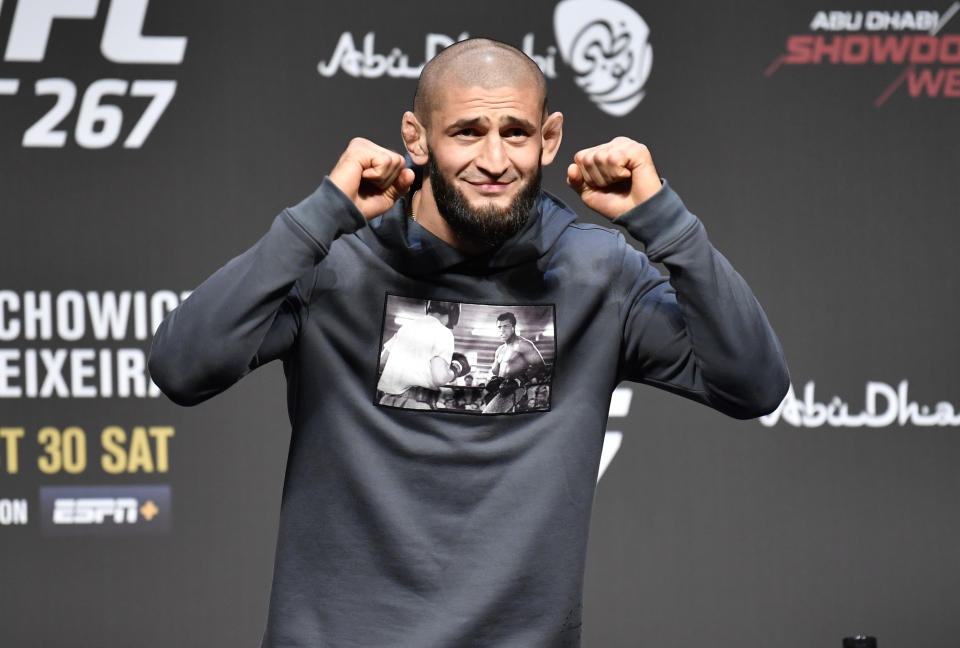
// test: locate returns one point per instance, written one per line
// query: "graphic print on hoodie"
(466, 358)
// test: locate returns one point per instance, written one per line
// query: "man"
(420, 358)
(441, 528)
(515, 362)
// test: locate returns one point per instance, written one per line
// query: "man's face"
(484, 159)
(506, 329)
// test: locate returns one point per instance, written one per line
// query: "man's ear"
(414, 138)
(551, 133)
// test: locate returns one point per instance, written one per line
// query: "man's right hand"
(371, 176)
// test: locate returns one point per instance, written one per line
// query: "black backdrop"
(824, 169)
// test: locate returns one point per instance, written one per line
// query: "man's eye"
(516, 132)
(467, 132)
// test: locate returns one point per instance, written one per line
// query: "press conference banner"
(145, 143)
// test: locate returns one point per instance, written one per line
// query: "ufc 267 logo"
(99, 122)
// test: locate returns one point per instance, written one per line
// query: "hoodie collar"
(413, 250)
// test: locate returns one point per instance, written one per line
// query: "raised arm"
(699, 333)
(249, 311)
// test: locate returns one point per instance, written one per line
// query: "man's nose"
(493, 157)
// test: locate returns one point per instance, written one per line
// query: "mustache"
(488, 224)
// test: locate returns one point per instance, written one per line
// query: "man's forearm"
(728, 355)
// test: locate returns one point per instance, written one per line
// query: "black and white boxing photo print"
(466, 358)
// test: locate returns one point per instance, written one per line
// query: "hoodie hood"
(413, 250)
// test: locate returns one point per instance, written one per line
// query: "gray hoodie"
(425, 528)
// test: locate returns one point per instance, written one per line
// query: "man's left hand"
(615, 177)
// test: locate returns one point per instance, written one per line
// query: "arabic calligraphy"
(606, 43)
(884, 406)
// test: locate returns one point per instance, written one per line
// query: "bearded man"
(409, 527)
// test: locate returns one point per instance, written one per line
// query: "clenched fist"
(614, 177)
(371, 176)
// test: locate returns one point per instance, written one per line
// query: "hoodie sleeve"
(249, 311)
(700, 334)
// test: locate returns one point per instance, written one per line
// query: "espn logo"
(105, 510)
(90, 510)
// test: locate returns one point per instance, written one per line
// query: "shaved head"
(475, 62)
(480, 128)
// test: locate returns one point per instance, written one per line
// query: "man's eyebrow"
(510, 120)
(507, 121)
(468, 123)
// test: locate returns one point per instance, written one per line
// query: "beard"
(489, 225)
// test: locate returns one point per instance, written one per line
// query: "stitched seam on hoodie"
(323, 248)
(683, 233)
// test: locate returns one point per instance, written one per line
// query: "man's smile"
(489, 188)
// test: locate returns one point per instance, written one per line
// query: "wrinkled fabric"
(423, 528)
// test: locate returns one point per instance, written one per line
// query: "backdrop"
(143, 144)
